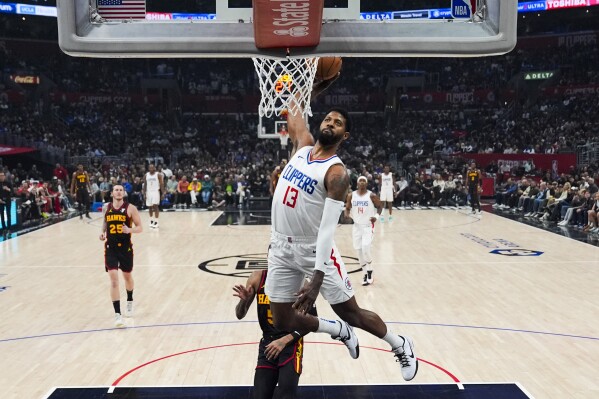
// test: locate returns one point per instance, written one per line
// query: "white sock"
(331, 327)
(366, 255)
(393, 339)
(368, 267)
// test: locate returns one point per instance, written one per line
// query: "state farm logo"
(244, 265)
(295, 15)
(298, 31)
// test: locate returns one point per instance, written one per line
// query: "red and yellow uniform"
(118, 252)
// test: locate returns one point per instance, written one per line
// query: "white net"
(286, 85)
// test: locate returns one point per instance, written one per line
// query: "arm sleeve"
(326, 233)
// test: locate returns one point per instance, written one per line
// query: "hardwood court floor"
(482, 316)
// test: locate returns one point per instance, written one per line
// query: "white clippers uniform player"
(297, 209)
(386, 193)
(152, 194)
(364, 212)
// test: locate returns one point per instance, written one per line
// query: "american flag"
(122, 9)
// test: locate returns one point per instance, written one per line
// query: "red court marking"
(118, 380)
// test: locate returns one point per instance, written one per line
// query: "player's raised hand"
(319, 87)
(242, 292)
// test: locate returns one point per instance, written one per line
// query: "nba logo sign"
(463, 9)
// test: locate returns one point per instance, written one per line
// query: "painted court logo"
(516, 252)
(243, 265)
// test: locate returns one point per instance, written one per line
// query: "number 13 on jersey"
(290, 197)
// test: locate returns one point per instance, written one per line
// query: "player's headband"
(363, 178)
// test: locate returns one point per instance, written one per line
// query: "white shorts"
(387, 195)
(290, 262)
(362, 235)
(152, 198)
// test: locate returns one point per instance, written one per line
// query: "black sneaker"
(365, 281)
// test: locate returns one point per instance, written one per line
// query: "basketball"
(328, 67)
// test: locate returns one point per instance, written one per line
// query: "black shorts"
(118, 256)
(291, 356)
(82, 196)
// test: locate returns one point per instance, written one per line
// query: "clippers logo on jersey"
(360, 205)
(299, 179)
(362, 208)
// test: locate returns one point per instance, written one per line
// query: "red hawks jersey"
(299, 197)
(362, 208)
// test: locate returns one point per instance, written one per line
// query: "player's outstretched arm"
(246, 294)
(299, 134)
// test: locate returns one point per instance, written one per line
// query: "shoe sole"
(357, 343)
(411, 343)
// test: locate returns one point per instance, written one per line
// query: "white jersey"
(362, 208)
(387, 181)
(298, 201)
(152, 182)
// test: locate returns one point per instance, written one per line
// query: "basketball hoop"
(286, 85)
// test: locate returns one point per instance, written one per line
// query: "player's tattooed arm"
(336, 182)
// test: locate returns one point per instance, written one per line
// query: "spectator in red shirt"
(61, 173)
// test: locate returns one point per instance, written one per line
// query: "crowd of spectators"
(214, 161)
(570, 200)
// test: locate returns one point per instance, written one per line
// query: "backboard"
(347, 28)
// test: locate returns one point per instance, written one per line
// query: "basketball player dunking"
(280, 353)
(387, 190)
(80, 189)
(118, 218)
(364, 207)
(153, 185)
(306, 206)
